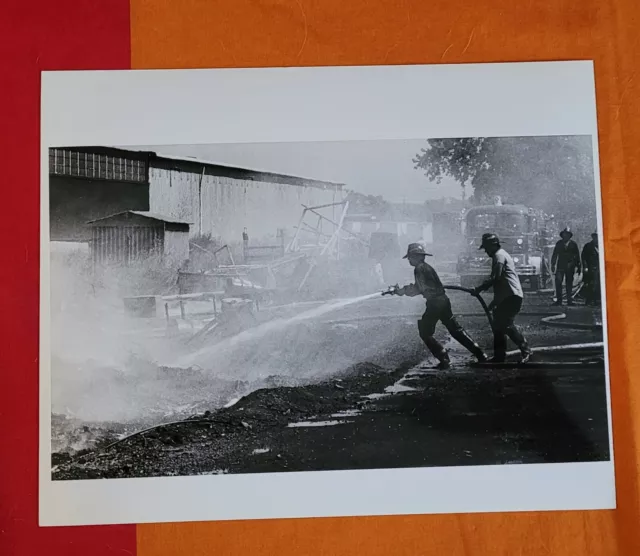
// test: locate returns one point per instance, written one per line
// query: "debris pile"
(183, 446)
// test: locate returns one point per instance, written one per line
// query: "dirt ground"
(388, 410)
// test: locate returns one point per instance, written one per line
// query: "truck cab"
(521, 233)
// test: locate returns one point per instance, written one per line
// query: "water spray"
(392, 290)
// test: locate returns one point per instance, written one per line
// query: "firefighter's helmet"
(489, 239)
(416, 249)
(567, 230)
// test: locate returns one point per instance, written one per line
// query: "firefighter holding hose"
(507, 300)
(428, 284)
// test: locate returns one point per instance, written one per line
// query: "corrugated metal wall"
(229, 205)
(126, 244)
(176, 247)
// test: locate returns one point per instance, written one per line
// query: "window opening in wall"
(63, 162)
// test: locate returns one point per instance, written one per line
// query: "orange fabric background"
(246, 33)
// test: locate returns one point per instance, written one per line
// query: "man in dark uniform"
(507, 300)
(565, 262)
(591, 266)
(428, 284)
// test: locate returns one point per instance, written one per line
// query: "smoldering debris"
(225, 431)
(150, 394)
(303, 353)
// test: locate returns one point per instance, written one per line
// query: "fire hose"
(475, 294)
(549, 320)
(392, 289)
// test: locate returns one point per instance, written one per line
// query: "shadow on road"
(519, 415)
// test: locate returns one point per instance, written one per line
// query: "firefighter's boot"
(436, 348)
(438, 352)
(445, 364)
(461, 336)
(499, 347)
(525, 351)
(519, 340)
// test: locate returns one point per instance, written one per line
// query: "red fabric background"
(34, 36)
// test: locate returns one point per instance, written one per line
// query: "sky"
(369, 167)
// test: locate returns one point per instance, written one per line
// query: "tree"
(554, 174)
(461, 159)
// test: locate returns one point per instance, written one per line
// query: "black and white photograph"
(264, 308)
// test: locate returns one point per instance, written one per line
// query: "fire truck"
(523, 231)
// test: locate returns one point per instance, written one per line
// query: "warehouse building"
(90, 183)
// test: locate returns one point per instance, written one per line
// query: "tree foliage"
(554, 174)
(461, 159)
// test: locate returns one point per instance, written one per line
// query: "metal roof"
(144, 214)
(197, 160)
(159, 155)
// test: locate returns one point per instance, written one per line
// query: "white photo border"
(170, 107)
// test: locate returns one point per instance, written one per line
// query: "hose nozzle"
(391, 290)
